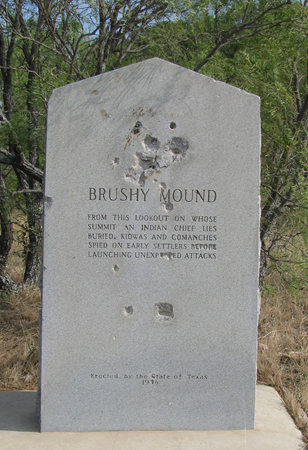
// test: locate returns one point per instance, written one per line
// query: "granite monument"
(151, 250)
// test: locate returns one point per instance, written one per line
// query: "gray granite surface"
(150, 267)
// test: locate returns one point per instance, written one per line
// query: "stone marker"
(150, 279)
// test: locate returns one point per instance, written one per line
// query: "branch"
(28, 191)
(236, 32)
(21, 163)
(246, 11)
(24, 69)
(210, 54)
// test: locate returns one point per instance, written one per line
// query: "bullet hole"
(104, 114)
(178, 146)
(146, 161)
(172, 125)
(128, 310)
(48, 201)
(164, 312)
(153, 157)
(116, 268)
(137, 127)
(142, 179)
(168, 256)
(116, 162)
(168, 206)
(151, 143)
(163, 185)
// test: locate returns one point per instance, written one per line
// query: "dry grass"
(19, 328)
(15, 265)
(19, 335)
(283, 347)
(283, 344)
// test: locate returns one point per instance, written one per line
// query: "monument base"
(274, 429)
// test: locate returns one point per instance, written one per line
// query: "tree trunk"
(6, 238)
(6, 226)
(33, 202)
(33, 255)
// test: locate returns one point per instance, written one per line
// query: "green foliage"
(259, 46)
(269, 61)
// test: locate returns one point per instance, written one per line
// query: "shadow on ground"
(18, 411)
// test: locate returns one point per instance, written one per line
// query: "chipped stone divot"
(154, 155)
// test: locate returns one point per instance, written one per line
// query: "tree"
(45, 44)
(256, 45)
(260, 47)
